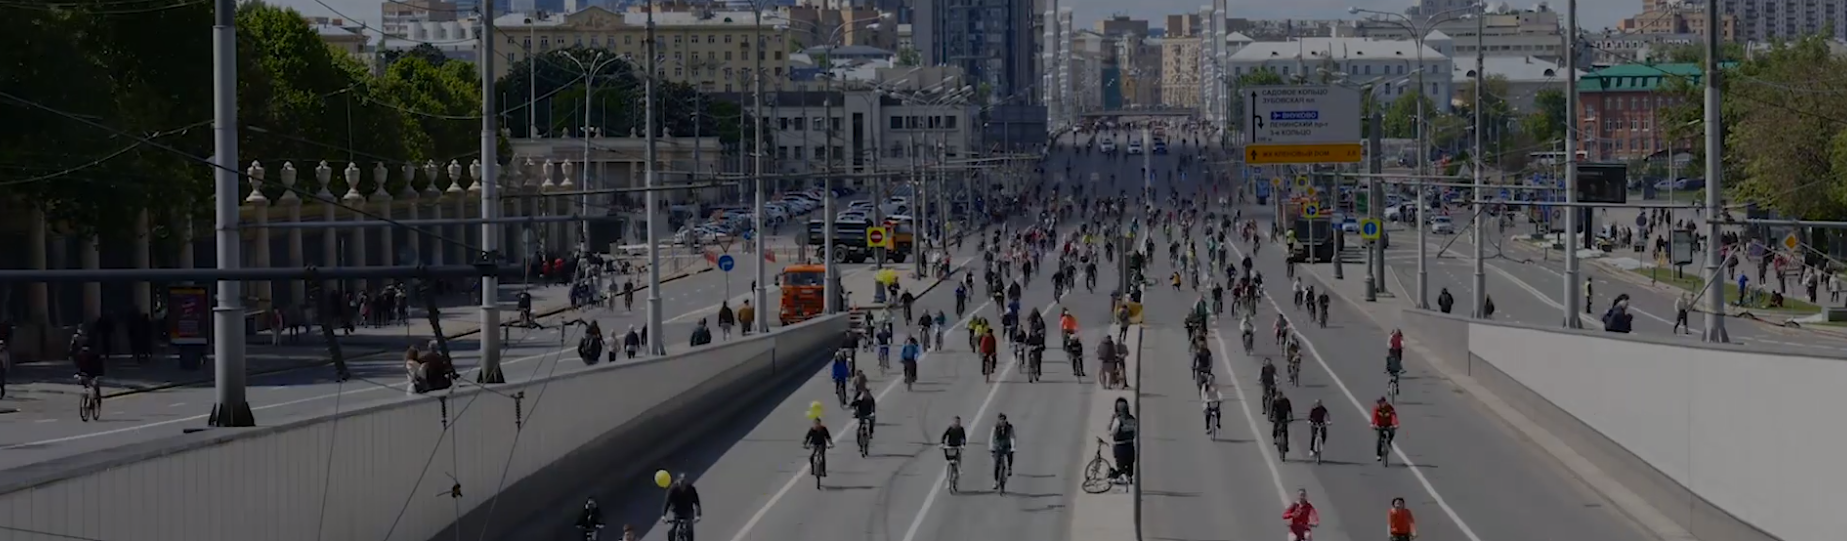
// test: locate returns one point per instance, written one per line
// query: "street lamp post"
(1479, 286)
(657, 343)
(756, 213)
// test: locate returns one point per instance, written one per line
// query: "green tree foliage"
(129, 71)
(1691, 53)
(429, 53)
(1785, 129)
(1546, 124)
(1401, 115)
(1260, 77)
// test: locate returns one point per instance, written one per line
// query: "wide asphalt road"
(1529, 289)
(755, 484)
(49, 429)
(1465, 474)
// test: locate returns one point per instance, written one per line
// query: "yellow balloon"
(814, 406)
(814, 414)
(662, 478)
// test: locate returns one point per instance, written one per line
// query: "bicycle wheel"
(83, 407)
(955, 476)
(1096, 476)
(865, 440)
(96, 405)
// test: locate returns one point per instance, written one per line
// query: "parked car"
(1442, 225)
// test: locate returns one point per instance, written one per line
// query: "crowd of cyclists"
(1097, 229)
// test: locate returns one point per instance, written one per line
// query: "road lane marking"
(1276, 473)
(1361, 408)
(849, 428)
(981, 413)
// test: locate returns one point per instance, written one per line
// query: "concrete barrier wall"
(391, 472)
(1733, 443)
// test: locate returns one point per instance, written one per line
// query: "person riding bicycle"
(591, 518)
(865, 410)
(908, 356)
(1213, 401)
(1248, 330)
(682, 504)
(1322, 301)
(860, 383)
(1067, 324)
(1318, 423)
(1394, 346)
(818, 439)
(1385, 422)
(1003, 443)
(1301, 517)
(1282, 328)
(1013, 291)
(1202, 364)
(1399, 524)
(89, 366)
(961, 297)
(1281, 414)
(841, 372)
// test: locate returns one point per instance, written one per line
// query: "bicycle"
(1213, 415)
(988, 362)
(679, 528)
(884, 359)
(1391, 386)
(954, 456)
(864, 436)
(1317, 439)
(817, 462)
(1279, 435)
(1386, 436)
(1003, 468)
(1250, 343)
(1097, 478)
(1321, 316)
(1035, 362)
(90, 400)
(1295, 371)
(1269, 394)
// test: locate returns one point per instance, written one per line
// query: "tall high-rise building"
(991, 40)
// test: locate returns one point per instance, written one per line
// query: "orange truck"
(803, 290)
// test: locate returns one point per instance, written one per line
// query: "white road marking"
(1361, 408)
(744, 532)
(1276, 474)
(910, 534)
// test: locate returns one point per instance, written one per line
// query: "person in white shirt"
(1212, 401)
(1681, 305)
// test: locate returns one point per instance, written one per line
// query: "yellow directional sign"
(1312, 192)
(1311, 211)
(1276, 182)
(1301, 181)
(1370, 228)
(1306, 153)
(1791, 242)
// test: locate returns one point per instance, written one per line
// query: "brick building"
(1621, 109)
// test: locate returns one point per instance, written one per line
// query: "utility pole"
(657, 344)
(1375, 198)
(1423, 168)
(1715, 168)
(756, 213)
(1573, 289)
(232, 408)
(1480, 284)
(490, 205)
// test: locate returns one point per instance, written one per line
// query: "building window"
(949, 122)
(727, 38)
(897, 123)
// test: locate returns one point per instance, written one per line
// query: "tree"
(1401, 115)
(1262, 76)
(909, 56)
(428, 53)
(1546, 124)
(1690, 53)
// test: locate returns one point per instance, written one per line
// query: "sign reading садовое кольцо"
(1302, 124)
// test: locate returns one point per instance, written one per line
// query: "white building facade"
(1392, 67)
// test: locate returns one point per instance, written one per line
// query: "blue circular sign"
(1506, 194)
(1641, 220)
(726, 263)
(1369, 228)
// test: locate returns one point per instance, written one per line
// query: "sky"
(1592, 14)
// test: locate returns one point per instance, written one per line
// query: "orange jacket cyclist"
(1301, 517)
(1384, 420)
(1067, 322)
(1399, 524)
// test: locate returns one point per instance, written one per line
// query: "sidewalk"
(306, 349)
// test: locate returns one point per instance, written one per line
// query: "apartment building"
(1538, 32)
(1774, 20)
(1676, 18)
(709, 49)
(1180, 71)
(1621, 109)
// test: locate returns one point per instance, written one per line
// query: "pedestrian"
(725, 319)
(1681, 305)
(747, 315)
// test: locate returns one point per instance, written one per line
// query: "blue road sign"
(1369, 228)
(1641, 220)
(726, 262)
(748, 233)
(1506, 194)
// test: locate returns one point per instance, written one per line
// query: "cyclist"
(89, 368)
(925, 323)
(1005, 437)
(988, 349)
(859, 382)
(1322, 310)
(865, 410)
(1399, 524)
(1302, 517)
(841, 373)
(818, 439)
(955, 437)
(1282, 328)
(1385, 422)
(1067, 325)
(961, 298)
(682, 504)
(1394, 346)
(908, 357)
(1295, 291)
(1213, 400)
(591, 518)
(1247, 330)
(1266, 378)
(1281, 414)
(1318, 425)
(1202, 364)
